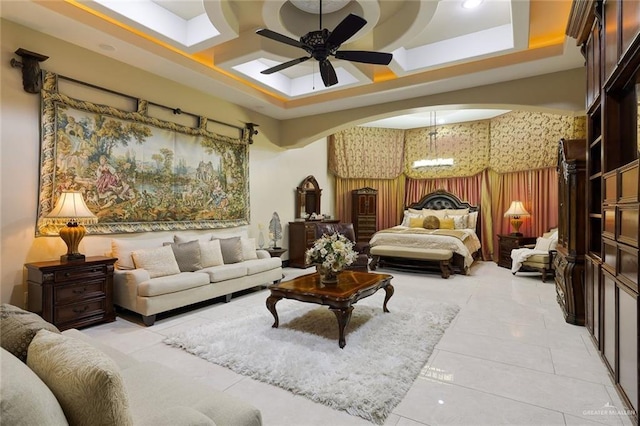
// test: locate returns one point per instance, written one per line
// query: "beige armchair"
(536, 257)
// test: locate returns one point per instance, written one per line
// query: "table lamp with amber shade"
(516, 212)
(72, 210)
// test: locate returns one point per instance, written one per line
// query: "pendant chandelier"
(432, 153)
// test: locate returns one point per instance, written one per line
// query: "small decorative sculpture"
(275, 229)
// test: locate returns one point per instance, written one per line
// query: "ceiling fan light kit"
(323, 43)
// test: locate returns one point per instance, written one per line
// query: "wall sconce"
(72, 212)
(515, 212)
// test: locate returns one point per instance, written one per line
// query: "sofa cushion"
(187, 255)
(248, 248)
(260, 265)
(170, 389)
(159, 262)
(210, 253)
(122, 248)
(179, 415)
(172, 283)
(226, 272)
(25, 400)
(86, 382)
(18, 327)
(231, 250)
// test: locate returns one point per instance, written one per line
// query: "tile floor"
(507, 359)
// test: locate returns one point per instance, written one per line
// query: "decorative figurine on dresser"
(363, 213)
(571, 249)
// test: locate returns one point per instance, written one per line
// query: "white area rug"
(368, 378)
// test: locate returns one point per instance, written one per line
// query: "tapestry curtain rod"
(174, 110)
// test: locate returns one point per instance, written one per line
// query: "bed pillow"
(407, 216)
(85, 381)
(473, 218)
(210, 253)
(460, 222)
(431, 222)
(159, 262)
(187, 255)
(447, 223)
(440, 214)
(457, 212)
(416, 222)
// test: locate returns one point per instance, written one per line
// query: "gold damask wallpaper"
(525, 140)
(514, 141)
(467, 143)
(366, 153)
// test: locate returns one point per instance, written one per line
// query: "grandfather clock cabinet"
(569, 260)
(364, 205)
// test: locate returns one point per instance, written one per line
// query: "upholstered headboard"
(440, 199)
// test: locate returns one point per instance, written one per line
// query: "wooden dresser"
(569, 260)
(506, 243)
(72, 294)
(301, 237)
(364, 213)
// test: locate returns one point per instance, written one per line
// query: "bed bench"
(412, 256)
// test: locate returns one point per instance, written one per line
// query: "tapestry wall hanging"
(138, 173)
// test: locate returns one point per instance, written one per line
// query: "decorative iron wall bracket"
(31, 74)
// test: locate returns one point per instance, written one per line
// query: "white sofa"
(148, 280)
(54, 379)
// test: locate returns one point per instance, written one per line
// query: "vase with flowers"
(331, 254)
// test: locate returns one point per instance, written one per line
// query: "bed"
(463, 241)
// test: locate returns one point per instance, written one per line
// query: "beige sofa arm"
(125, 286)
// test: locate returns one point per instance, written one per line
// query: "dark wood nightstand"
(507, 243)
(72, 294)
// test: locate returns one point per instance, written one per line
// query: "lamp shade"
(516, 209)
(71, 205)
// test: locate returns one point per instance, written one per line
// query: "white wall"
(274, 172)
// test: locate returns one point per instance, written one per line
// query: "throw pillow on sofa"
(210, 253)
(187, 255)
(25, 399)
(85, 381)
(248, 248)
(231, 250)
(122, 249)
(159, 262)
(18, 327)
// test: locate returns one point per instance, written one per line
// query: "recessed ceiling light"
(470, 4)
(107, 47)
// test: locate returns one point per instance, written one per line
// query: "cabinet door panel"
(628, 346)
(609, 320)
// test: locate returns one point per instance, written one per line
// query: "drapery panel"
(367, 153)
(389, 201)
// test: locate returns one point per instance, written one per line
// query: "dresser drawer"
(70, 313)
(80, 273)
(79, 291)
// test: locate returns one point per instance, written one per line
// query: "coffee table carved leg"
(344, 316)
(271, 305)
(389, 292)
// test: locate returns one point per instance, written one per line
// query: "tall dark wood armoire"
(609, 35)
(364, 207)
(569, 261)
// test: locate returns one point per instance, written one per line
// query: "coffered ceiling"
(212, 45)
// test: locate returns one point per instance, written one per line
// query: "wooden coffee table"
(351, 287)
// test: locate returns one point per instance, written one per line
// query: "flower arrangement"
(333, 252)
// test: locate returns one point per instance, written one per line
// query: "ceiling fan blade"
(285, 65)
(366, 57)
(328, 73)
(345, 29)
(279, 37)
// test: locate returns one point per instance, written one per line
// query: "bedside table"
(507, 243)
(72, 294)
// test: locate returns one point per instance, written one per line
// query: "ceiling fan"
(323, 43)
